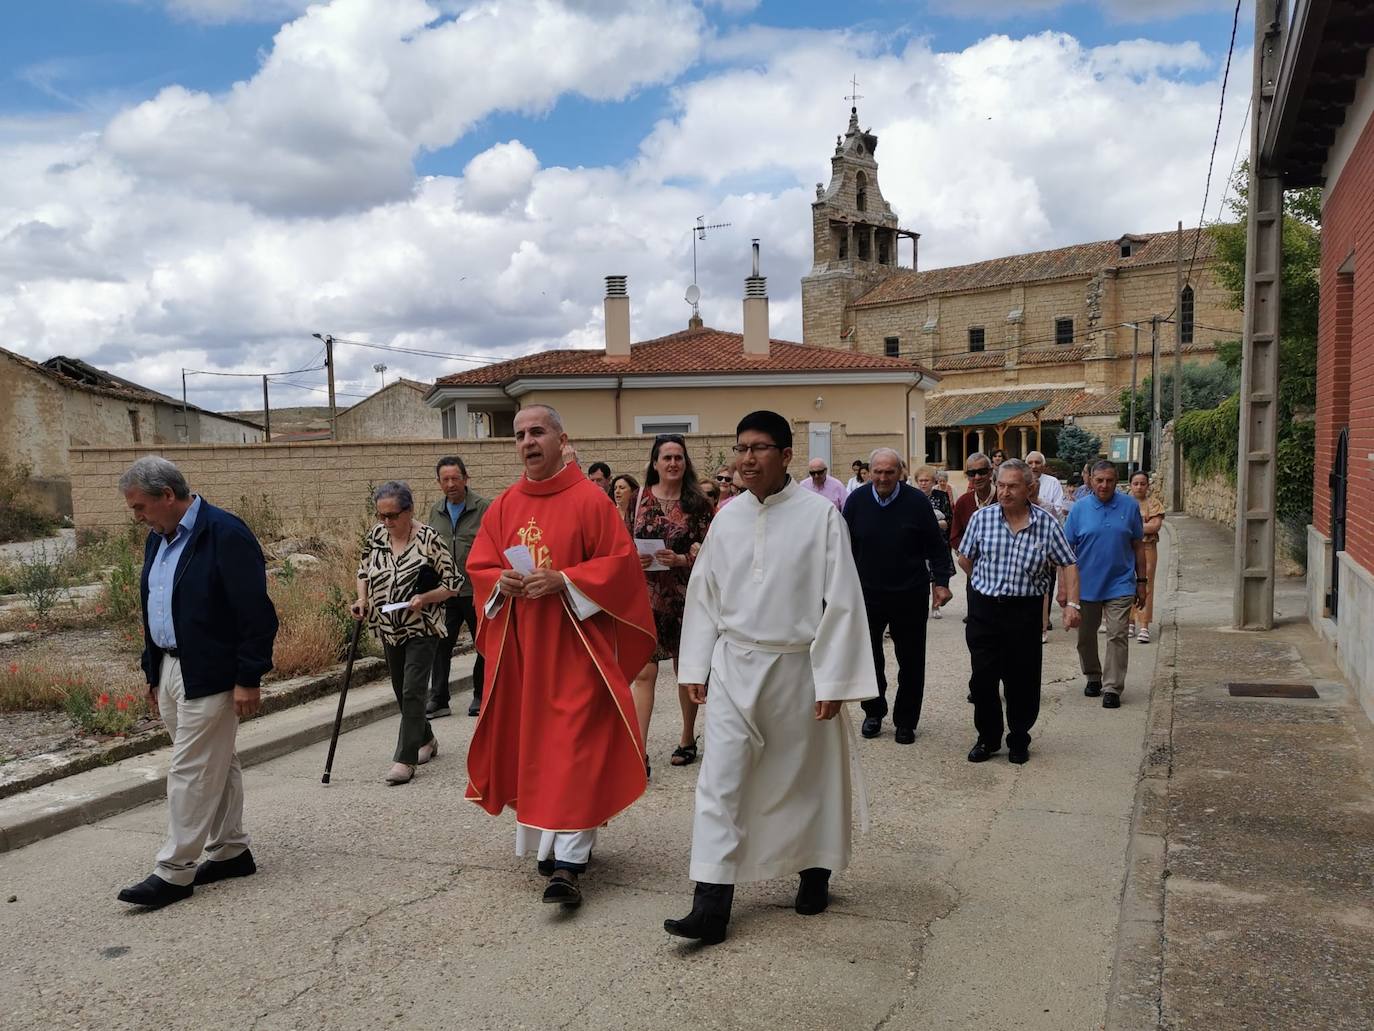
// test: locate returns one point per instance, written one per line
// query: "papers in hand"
(648, 546)
(520, 559)
(396, 606)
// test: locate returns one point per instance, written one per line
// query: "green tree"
(1077, 447)
(1204, 386)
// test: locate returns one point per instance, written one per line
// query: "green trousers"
(410, 663)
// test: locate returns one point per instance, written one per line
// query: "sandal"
(684, 755)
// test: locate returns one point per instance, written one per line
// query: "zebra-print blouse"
(392, 578)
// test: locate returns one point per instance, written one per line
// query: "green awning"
(999, 414)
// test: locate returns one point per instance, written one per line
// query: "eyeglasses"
(754, 449)
(818, 472)
(725, 479)
(387, 517)
(980, 472)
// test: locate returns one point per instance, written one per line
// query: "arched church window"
(1185, 316)
(861, 192)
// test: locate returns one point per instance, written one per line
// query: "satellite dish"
(693, 294)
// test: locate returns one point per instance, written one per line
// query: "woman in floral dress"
(671, 508)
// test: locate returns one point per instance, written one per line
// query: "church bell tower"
(854, 240)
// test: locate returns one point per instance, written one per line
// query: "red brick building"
(1321, 133)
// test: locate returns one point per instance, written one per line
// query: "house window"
(1063, 331)
(1185, 316)
(653, 424)
(449, 422)
(975, 338)
(891, 346)
(133, 424)
(1126, 250)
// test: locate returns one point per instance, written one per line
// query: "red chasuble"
(557, 738)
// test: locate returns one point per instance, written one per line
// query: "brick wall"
(313, 484)
(1345, 354)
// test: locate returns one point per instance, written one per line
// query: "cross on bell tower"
(855, 236)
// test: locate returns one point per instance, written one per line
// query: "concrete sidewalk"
(1249, 902)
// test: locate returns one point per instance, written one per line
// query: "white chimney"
(756, 311)
(617, 319)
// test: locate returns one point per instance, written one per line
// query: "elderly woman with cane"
(405, 575)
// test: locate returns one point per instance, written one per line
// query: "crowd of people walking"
(772, 597)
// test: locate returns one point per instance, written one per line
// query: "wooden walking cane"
(343, 696)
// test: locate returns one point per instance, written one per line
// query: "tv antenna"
(699, 233)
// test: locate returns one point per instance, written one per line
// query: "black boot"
(813, 894)
(709, 916)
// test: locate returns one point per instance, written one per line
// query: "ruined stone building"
(1023, 344)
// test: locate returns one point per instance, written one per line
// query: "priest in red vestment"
(557, 739)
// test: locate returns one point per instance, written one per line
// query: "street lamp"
(380, 369)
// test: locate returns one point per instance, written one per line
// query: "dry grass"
(52, 682)
(312, 607)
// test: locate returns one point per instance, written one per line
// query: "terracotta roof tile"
(1052, 356)
(945, 410)
(972, 360)
(1083, 259)
(698, 351)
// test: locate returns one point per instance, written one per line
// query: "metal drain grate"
(1272, 690)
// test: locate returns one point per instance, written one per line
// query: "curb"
(101, 793)
(1134, 995)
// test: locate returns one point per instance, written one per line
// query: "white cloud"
(1118, 10)
(220, 232)
(352, 90)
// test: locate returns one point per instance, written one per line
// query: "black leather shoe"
(155, 893)
(562, 889)
(813, 893)
(981, 753)
(905, 736)
(213, 870)
(545, 867)
(709, 917)
(1018, 755)
(475, 706)
(1111, 700)
(872, 726)
(437, 710)
(1093, 689)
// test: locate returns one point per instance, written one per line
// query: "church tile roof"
(1079, 260)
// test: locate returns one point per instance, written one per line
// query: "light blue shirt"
(455, 512)
(162, 579)
(884, 502)
(1103, 536)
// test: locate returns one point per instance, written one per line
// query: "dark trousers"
(457, 612)
(409, 664)
(905, 614)
(1003, 636)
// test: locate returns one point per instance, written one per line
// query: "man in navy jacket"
(208, 627)
(899, 550)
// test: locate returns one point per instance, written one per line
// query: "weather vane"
(854, 96)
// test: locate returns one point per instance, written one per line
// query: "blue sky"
(366, 170)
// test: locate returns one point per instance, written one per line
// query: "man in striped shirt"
(1009, 552)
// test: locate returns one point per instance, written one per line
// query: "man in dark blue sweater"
(900, 551)
(208, 628)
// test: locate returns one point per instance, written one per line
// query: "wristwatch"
(1142, 579)
(1073, 605)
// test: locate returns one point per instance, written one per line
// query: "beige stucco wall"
(397, 411)
(315, 484)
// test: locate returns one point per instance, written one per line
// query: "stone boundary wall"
(313, 484)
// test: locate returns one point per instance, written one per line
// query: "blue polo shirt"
(1101, 536)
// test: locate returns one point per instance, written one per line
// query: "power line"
(251, 375)
(318, 390)
(1211, 161)
(421, 352)
(1235, 159)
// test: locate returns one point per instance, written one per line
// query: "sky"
(205, 184)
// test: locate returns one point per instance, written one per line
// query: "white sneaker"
(935, 614)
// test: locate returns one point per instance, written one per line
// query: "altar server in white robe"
(775, 617)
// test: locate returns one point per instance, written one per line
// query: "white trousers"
(204, 780)
(565, 846)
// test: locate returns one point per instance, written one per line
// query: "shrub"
(262, 517)
(41, 582)
(54, 684)
(20, 518)
(1077, 447)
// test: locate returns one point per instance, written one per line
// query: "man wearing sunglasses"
(980, 494)
(819, 481)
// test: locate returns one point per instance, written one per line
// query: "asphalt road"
(984, 896)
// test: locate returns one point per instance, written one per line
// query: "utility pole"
(1132, 465)
(1176, 465)
(1256, 479)
(266, 414)
(1154, 387)
(185, 419)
